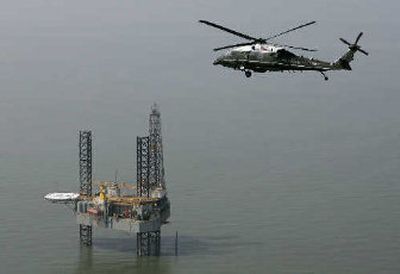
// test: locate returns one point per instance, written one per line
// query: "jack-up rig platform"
(142, 208)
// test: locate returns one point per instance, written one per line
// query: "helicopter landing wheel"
(324, 75)
(247, 73)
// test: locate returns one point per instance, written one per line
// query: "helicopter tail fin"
(344, 61)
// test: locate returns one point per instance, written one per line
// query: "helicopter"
(261, 55)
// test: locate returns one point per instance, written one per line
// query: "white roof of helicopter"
(258, 47)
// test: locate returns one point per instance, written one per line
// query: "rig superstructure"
(141, 209)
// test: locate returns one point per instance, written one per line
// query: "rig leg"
(148, 243)
(324, 75)
(85, 235)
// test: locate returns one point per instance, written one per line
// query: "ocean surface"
(280, 173)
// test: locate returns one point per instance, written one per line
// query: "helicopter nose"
(218, 61)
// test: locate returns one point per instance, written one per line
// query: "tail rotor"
(355, 47)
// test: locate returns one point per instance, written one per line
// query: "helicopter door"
(254, 55)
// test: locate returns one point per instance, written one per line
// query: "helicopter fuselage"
(264, 57)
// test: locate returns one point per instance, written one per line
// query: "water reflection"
(187, 245)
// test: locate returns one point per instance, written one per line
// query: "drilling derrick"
(150, 181)
(149, 153)
(85, 179)
(156, 178)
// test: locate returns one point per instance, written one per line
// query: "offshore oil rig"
(142, 208)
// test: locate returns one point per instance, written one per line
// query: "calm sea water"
(278, 174)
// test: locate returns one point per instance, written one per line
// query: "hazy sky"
(65, 65)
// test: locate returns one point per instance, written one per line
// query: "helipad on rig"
(141, 209)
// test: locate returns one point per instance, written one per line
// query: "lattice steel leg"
(143, 169)
(85, 179)
(85, 162)
(85, 234)
(148, 243)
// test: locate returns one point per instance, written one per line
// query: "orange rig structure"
(142, 208)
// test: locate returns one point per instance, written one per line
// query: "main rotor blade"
(293, 47)
(363, 51)
(358, 38)
(234, 32)
(344, 41)
(290, 30)
(234, 46)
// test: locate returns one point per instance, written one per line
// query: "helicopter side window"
(232, 54)
(282, 53)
